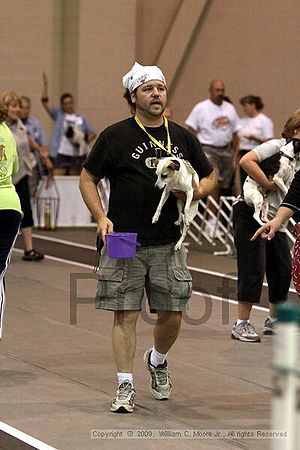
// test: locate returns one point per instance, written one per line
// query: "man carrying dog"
(126, 153)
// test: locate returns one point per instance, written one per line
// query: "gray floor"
(57, 379)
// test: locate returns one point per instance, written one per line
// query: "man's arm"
(203, 189)
(206, 186)
(88, 187)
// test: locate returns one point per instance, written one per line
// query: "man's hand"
(45, 79)
(104, 226)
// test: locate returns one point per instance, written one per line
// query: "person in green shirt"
(10, 208)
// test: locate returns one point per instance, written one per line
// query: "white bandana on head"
(139, 74)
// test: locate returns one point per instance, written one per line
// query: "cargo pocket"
(110, 286)
(182, 283)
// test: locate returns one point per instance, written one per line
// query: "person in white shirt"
(257, 128)
(215, 123)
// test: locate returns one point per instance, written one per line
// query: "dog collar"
(287, 156)
(155, 141)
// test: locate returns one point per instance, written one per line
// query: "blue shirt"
(36, 130)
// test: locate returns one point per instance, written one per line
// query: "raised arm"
(44, 97)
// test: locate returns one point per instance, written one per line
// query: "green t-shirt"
(9, 166)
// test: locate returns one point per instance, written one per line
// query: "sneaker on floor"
(160, 383)
(244, 332)
(212, 229)
(32, 255)
(124, 399)
(269, 326)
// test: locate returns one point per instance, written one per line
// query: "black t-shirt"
(121, 153)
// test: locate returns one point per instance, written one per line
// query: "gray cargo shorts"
(222, 161)
(159, 271)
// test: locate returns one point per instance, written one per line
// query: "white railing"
(221, 233)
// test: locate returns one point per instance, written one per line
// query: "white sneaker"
(124, 399)
(244, 332)
(160, 383)
(212, 228)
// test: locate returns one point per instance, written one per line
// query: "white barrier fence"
(214, 224)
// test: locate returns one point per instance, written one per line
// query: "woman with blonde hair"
(26, 161)
(10, 208)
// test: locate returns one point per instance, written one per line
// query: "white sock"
(156, 358)
(122, 376)
(240, 321)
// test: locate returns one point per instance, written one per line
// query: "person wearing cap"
(126, 153)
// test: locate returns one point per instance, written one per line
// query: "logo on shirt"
(221, 122)
(3, 162)
(150, 147)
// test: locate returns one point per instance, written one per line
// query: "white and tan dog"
(177, 174)
(289, 164)
(285, 167)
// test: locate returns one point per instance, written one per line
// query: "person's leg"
(168, 289)
(279, 275)
(251, 267)
(121, 285)
(22, 188)
(124, 347)
(166, 330)
(9, 228)
(244, 310)
(124, 339)
(27, 239)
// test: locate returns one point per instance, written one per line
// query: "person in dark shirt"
(125, 153)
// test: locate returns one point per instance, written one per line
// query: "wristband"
(44, 99)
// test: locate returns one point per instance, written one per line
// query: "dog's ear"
(174, 165)
(296, 145)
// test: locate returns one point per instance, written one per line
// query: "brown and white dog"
(177, 174)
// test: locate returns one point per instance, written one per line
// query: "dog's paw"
(155, 218)
(258, 219)
(177, 246)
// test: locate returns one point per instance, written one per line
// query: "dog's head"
(296, 145)
(270, 165)
(166, 170)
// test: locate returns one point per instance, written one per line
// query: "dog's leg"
(277, 180)
(180, 209)
(258, 204)
(183, 234)
(264, 211)
(163, 199)
(189, 198)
